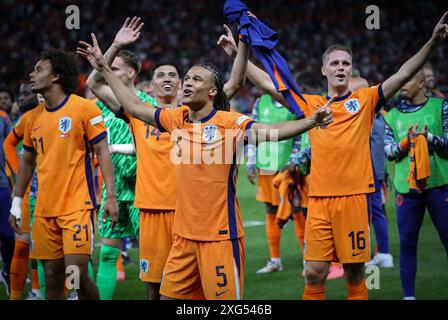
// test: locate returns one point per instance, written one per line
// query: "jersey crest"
(210, 133)
(65, 124)
(352, 106)
(144, 265)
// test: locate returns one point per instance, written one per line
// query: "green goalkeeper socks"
(106, 278)
(90, 270)
(41, 276)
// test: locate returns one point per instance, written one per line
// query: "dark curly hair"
(63, 64)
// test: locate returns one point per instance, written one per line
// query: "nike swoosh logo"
(218, 294)
(354, 254)
(79, 245)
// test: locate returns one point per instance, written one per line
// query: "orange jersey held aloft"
(62, 138)
(204, 158)
(340, 162)
(155, 186)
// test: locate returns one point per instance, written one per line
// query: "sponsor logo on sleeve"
(241, 119)
(96, 120)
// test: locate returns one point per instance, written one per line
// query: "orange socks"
(34, 280)
(299, 227)
(314, 292)
(357, 290)
(273, 233)
(120, 266)
(19, 269)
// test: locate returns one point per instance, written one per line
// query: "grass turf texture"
(432, 274)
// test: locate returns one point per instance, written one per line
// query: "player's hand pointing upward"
(92, 53)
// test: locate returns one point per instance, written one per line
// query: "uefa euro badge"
(210, 133)
(352, 106)
(65, 125)
(144, 265)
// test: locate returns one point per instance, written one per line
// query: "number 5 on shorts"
(221, 274)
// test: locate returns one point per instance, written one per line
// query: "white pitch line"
(253, 223)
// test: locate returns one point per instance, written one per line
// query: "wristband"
(16, 208)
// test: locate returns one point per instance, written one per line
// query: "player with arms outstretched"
(207, 256)
(337, 226)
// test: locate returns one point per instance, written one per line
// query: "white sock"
(36, 292)
(276, 260)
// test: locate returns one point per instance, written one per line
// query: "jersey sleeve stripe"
(98, 138)
(157, 118)
(382, 102)
(121, 114)
(249, 124)
(15, 133)
(231, 201)
(28, 148)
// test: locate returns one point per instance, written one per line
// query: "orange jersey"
(155, 187)
(207, 208)
(340, 161)
(62, 139)
(12, 140)
(5, 116)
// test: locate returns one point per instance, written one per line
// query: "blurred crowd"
(186, 32)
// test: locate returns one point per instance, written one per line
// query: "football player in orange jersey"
(337, 221)
(27, 100)
(155, 190)
(58, 140)
(207, 256)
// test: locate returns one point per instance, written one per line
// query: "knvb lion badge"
(65, 125)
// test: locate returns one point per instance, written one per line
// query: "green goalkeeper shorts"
(128, 222)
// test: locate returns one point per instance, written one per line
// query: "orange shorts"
(337, 229)
(266, 192)
(52, 238)
(212, 270)
(26, 211)
(155, 243)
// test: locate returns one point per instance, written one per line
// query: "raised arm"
(321, 118)
(128, 34)
(238, 73)
(413, 65)
(256, 75)
(127, 99)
